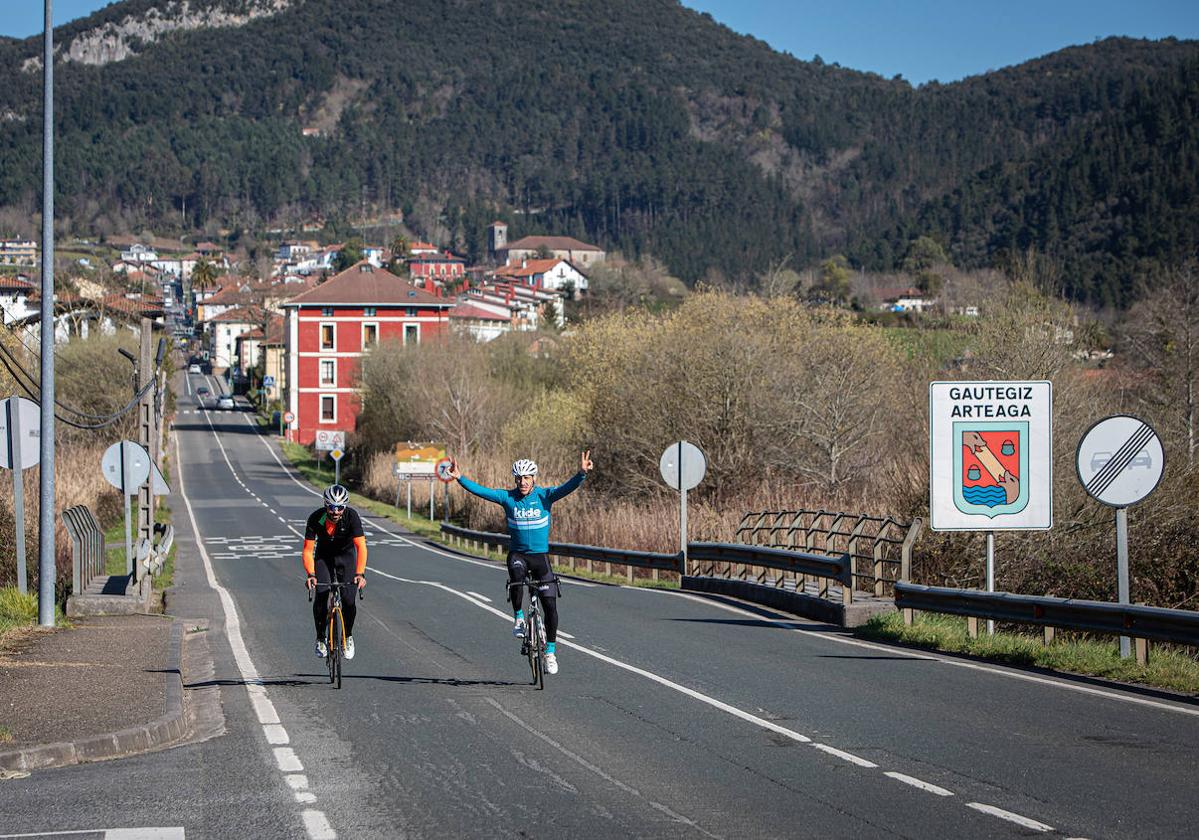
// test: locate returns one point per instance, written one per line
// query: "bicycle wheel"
(537, 631)
(336, 640)
(530, 643)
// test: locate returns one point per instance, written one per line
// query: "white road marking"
(480, 597)
(317, 825)
(285, 757)
(144, 834)
(287, 760)
(918, 783)
(1024, 822)
(929, 655)
(565, 635)
(305, 797)
(297, 781)
(845, 756)
(276, 734)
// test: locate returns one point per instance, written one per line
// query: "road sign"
(126, 466)
(1120, 460)
(991, 455)
(288, 417)
(418, 460)
(22, 417)
(327, 439)
(268, 382)
(683, 466)
(336, 454)
(443, 470)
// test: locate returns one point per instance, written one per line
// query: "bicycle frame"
(335, 634)
(534, 645)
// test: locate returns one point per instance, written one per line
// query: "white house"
(139, 253)
(225, 330)
(554, 274)
(14, 299)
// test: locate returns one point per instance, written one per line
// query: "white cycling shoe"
(551, 663)
(349, 647)
(518, 629)
(322, 650)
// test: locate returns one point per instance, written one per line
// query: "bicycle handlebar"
(361, 592)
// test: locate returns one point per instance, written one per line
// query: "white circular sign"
(289, 418)
(127, 471)
(1120, 460)
(682, 465)
(443, 470)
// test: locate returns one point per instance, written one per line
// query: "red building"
(332, 326)
(444, 269)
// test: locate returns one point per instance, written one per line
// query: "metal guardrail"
(1157, 623)
(796, 562)
(879, 547)
(591, 553)
(87, 546)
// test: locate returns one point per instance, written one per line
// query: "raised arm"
(553, 494)
(491, 494)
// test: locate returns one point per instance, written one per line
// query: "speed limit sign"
(443, 470)
(289, 417)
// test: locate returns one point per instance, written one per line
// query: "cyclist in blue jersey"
(528, 510)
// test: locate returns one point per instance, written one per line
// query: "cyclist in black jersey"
(335, 544)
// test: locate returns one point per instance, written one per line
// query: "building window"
(328, 408)
(328, 372)
(369, 312)
(411, 311)
(370, 335)
(327, 312)
(412, 333)
(327, 336)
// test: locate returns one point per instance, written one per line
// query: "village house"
(567, 248)
(908, 299)
(14, 299)
(554, 275)
(431, 270)
(266, 349)
(226, 328)
(329, 328)
(489, 311)
(18, 252)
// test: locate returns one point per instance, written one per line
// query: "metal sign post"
(336, 455)
(432, 495)
(682, 467)
(126, 466)
(409, 498)
(19, 425)
(1120, 461)
(990, 576)
(443, 475)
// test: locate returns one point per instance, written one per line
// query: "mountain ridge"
(646, 127)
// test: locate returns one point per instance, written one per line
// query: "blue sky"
(920, 39)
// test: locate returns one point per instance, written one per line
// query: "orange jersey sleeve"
(310, 556)
(360, 546)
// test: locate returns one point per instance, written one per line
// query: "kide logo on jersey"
(527, 513)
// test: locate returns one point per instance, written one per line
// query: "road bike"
(534, 642)
(335, 634)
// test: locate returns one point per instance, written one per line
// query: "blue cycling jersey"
(528, 516)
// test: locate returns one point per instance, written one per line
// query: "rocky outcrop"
(118, 41)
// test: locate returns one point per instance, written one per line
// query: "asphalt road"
(673, 715)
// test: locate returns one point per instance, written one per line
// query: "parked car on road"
(201, 391)
(193, 369)
(225, 402)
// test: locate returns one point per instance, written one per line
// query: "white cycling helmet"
(524, 467)
(337, 496)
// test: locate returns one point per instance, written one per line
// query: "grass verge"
(422, 526)
(17, 610)
(1166, 668)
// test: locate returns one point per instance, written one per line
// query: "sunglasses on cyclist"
(335, 508)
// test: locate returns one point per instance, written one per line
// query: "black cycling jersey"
(341, 541)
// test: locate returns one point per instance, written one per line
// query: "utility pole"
(45, 551)
(145, 433)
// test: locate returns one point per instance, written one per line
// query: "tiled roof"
(477, 313)
(240, 315)
(15, 284)
(529, 269)
(554, 243)
(364, 285)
